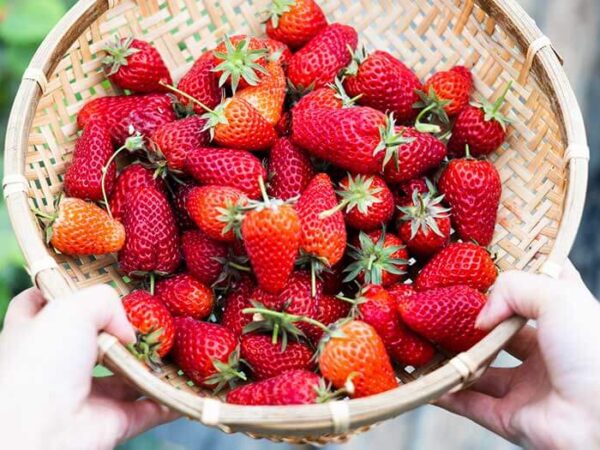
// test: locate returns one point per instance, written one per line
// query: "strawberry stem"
(498, 103)
(426, 127)
(286, 317)
(185, 95)
(263, 191)
(152, 278)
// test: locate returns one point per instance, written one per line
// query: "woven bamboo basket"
(543, 166)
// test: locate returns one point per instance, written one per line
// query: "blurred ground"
(574, 30)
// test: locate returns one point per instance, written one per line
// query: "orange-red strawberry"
(132, 177)
(424, 224)
(271, 235)
(323, 57)
(378, 308)
(268, 96)
(203, 256)
(331, 96)
(154, 326)
(122, 113)
(267, 359)
(366, 201)
(460, 263)
(240, 61)
(379, 258)
(200, 83)
(135, 65)
(295, 387)
(93, 151)
(479, 127)
(206, 352)
(236, 301)
(152, 243)
(179, 202)
(217, 210)
(473, 189)
(82, 228)
(383, 82)
(278, 51)
(295, 22)
(184, 295)
(446, 316)
(401, 292)
(175, 140)
(226, 167)
(289, 171)
(357, 354)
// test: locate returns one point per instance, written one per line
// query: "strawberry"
(135, 65)
(356, 354)
(175, 140)
(268, 96)
(465, 263)
(184, 295)
(295, 22)
(378, 308)
(154, 326)
(332, 96)
(122, 113)
(132, 177)
(330, 310)
(179, 202)
(326, 54)
(236, 301)
(206, 352)
(333, 278)
(379, 258)
(278, 51)
(424, 224)
(93, 151)
(284, 126)
(200, 83)
(226, 167)
(473, 189)
(480, 127)
(384, 83)
(446, 316)
(202, 255)
(241, 61)
(290, 170)
(267, 359)
(217, 210)
(366, 200)
(271, 235)
(406, 190)
(81, 228)
(295, 387)
(401, 292)
(152, 243)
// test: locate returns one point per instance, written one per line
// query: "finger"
(495, 382)
(115, 388)
(24, 306)
(570, 272)
(142, 415)
(523, 344)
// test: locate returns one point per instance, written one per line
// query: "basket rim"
(307, 419)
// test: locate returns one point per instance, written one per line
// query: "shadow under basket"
(543, 166)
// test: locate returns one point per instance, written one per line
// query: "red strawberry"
(278, 51)
(206, 352)
(183, 295)
(153, 323)
(268, 300)
(481, 128)
(268, 97)
(332, 96)
(473, 189)
(465, 263)
(236, 301)
(135, 65)
(241, 61)
(367, 201)
(425, 224)
(284, 126)
(320, 60)
(384, 83)
(295, 22)
(202, 255)
(377, 308)
(446, 316)
(267, 359)
(380, 258)
(290, 170)
(92, 152)
(217, 210)
(200, 83)
(401, 292)
(179, 202)
(271, 235)
(330, 310)
(152, 243)
(175, 140)
(121, 114)
(132, 177)
(295, 387)
(226, 167)
(406, 190)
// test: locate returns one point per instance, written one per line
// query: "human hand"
(48, 397)
(550, 401)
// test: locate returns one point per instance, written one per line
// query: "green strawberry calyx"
(357, 58)
(146, 348)
(492, 110)
(390, 141)
(424, 212)
(358, 193)
(432, 107)
(117, 54)
(227, 373)
(340, 93)
(326, 393)
(239, 62)
(279, 8)
(233, 267)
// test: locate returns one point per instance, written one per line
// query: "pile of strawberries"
(273, 206)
